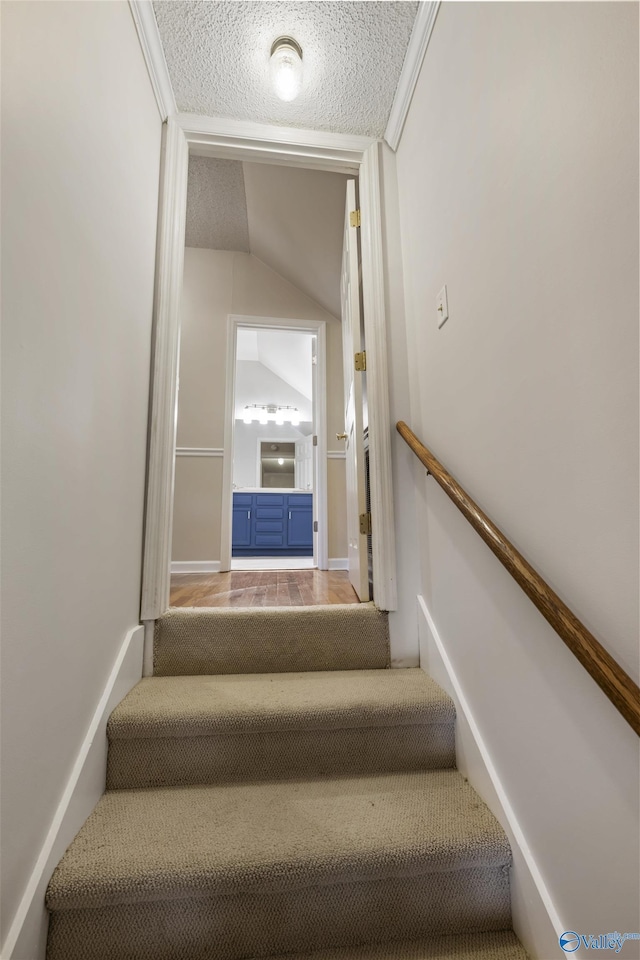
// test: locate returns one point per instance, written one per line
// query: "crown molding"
(416, 50)
(149, 36)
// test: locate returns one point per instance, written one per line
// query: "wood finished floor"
(261, 588)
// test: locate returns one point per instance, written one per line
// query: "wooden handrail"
(608, 674)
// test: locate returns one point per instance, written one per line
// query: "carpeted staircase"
(273, 790)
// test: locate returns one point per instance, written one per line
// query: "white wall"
(80, 166)
(518, 188)
(296, 225)
(245, 447)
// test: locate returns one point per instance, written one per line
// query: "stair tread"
(235, 703)
(181, 842)
(496, 945)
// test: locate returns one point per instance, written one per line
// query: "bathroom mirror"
(277, 464)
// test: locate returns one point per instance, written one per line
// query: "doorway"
(350, 155)
(275, 421)
(274, 495)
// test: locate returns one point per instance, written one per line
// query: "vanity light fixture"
(285, 67)
(265, 412)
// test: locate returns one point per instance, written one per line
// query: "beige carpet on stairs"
(292, 801)
(194, 640)
(499, 945)
(173, 731)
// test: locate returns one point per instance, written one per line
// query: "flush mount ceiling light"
(286, 68)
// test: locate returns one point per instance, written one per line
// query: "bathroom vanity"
(272, 523)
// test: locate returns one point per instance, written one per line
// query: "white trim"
(162, 428)
(272, 563)
(147, 658)
(336, 455)
(416, 50)
(320, 510)
(375, 326)
(226, 506)
(260, 142)
(195, 566)
(199, 452)
(538, 925)
(338, 563)
(82, 791)
(152, 50)
(255, 142)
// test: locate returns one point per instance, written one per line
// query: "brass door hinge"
(354, 218)
(365, 524)
(360, 361)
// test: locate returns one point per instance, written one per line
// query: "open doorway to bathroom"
(274, 468)
(263, 251)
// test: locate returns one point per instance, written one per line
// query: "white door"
(353, 408)
(304, 464)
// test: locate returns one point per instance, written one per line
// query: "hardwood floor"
(261, 588)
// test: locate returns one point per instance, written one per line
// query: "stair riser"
(268, 641)
(185, 761)
(237, 927)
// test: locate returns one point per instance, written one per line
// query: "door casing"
(186, 134)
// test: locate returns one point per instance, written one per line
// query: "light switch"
(442, 306)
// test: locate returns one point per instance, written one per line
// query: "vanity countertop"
(270, 490)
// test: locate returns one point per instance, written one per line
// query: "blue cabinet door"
(300, 520)
(242, 520)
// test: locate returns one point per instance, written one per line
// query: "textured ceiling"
(216, 205)
(291, 219)
(218, 59)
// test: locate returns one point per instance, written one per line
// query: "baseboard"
(195, 566)
(535, 918)
(28, 932)
(272, 563)
(338, 563)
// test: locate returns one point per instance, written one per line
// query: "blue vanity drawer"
(270, 499)
(269, 513)
(269, 526)
(269, 540)
(242, 499)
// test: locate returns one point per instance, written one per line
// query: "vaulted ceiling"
(287, 356)
(217, 55)
(290, 218)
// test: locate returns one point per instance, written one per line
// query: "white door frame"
(318, 328)
(239, 140)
